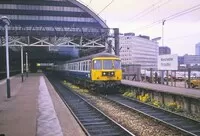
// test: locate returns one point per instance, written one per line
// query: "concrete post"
(175, 80)
(185, 81)
(189, 77)
(138, 77)
(187, 105)
(145, 74)
(172, 78)
(151, 75)
(167, 77)
(162, 76)
(128, 67)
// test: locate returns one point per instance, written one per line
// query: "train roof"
(93, 56)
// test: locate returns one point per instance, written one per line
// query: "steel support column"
(116, 35)
(7, 62)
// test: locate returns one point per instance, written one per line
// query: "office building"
(138, 50)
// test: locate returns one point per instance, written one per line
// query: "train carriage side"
(79, 69)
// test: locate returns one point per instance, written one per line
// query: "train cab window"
(117, 64)
(97, 64)
(108, 64)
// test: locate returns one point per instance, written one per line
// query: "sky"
(180, 34)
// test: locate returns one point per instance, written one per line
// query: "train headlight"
(104, 73)
(112, 73)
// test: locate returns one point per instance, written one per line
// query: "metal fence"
(184, 77)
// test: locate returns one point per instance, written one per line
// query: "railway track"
(93, 121)
(183, 124)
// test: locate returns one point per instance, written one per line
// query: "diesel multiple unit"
(101, 69)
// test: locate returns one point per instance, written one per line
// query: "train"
(102, 70)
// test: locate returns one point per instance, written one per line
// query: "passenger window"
(83, 66)
(86, 66)
(76, 66)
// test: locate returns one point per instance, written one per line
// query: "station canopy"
(52, 24)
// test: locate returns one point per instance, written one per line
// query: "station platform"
(34, 109)
(191, 93)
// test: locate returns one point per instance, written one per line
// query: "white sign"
(168, 62)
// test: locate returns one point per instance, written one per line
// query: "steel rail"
(183, 124)
(93, 121)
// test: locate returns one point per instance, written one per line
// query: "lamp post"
(7, 23)
(26, 64)
(163, 23)
(162, 72)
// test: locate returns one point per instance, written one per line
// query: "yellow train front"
(106, 71)
(95, 71)
(106, 68)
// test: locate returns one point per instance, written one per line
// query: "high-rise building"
(164, 50)
(138, 50)
(197, 49)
